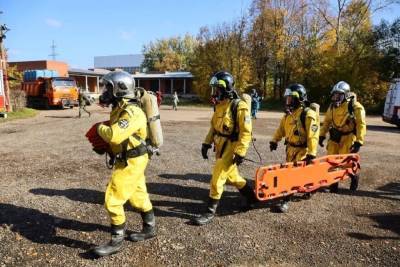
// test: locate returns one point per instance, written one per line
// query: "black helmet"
(296, 90)
(295, 95)
(222, 84)
(223, 79)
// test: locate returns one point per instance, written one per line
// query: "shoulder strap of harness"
(137, 137)
(303, 117)
(234, 107)
(350, 107)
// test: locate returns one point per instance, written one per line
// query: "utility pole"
(53, 51)
(3, 66)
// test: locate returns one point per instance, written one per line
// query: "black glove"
(204, 150)
(99, 151)
(321, 141)
(355, 148)
(308, 159)
(273, 145)
(238, 159)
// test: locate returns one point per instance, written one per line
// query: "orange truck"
(59, 92)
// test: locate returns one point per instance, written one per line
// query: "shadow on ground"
(40, 227)
(62, 117)
(199, 177)
(187, 200)
(383, 128)
(75, 194)
(390, 191)
(385, 221)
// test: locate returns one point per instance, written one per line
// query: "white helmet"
(339, 93)
(341, 87)
(120, 83)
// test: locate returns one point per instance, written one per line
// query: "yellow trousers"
(295, 153)
(225, 171)
(346, 141)
(127, 183)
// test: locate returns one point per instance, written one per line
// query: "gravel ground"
(52, 191)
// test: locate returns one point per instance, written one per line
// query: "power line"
(53, 51)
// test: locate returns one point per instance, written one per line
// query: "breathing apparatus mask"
(116, 85)
(338, 98)
(339, 93)
(292, 101)
(222, 84)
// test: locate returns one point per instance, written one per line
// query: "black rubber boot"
(334, 188)
(115, 244)
(354, 182)
(282, 206)
(248, 192)
(209, 214)
(149, 227)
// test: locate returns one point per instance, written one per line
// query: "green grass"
(20, 114)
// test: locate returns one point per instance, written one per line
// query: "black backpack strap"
(351, 106)
(234, 107)
(303, 117)
(350, 109)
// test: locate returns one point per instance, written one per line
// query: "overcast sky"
(87, 28)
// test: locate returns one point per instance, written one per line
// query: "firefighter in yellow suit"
(230, 132)
(300, 129)
(345, 122)
(125, 134)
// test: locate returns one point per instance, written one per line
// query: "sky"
(84, 29)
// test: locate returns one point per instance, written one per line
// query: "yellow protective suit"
(299, 141)
(127, 180)
(353, 127)
(222, 123)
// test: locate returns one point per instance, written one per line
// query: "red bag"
(99, 145)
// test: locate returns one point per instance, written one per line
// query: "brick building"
(166, 82)
(60, 67)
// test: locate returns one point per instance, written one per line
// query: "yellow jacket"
(222, 123)
(339, 118)
(125, 120)
(292, 130)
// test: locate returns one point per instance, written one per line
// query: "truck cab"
(62, 92)
(51, 92)
(391, 113)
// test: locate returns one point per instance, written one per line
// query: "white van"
(391, 113)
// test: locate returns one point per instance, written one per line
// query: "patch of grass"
(20, 114)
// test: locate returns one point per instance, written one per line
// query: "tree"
(17, 96)
(387, 42)
(276, 35)
(222, 48)
(171, 54)
(15, 78)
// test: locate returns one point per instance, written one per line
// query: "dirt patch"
(53, 188)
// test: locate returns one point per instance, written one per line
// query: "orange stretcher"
(281, 180)
(99, 145)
